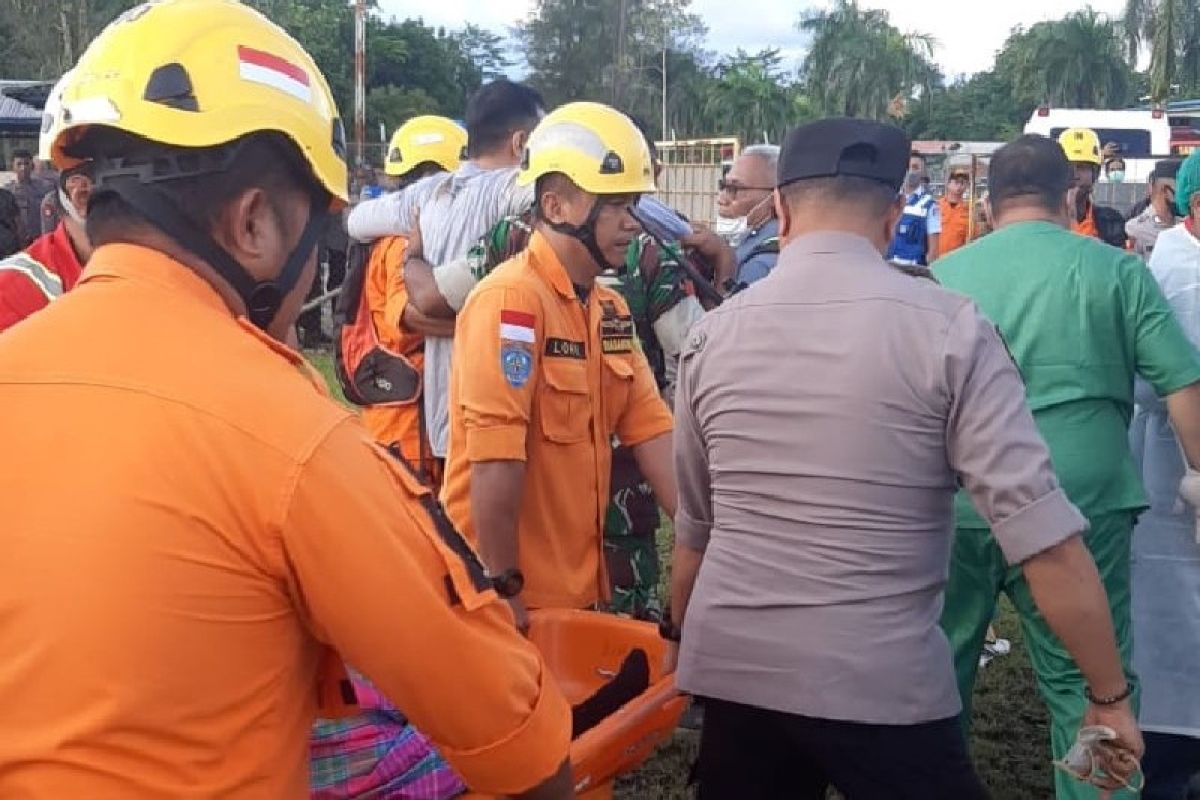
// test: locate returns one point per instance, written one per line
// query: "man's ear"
(517, 142)
(784, 214)
(251, 231)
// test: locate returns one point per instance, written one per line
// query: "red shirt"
(29, 280)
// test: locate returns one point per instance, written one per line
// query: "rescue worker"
(224, 538)
(1159, 213)
(53, 263)
(546, 371)
(1082, 147)
(378, 752)
(654, 286)
(917, 239)
(1081, 319)
(1166, 542)
(814, 526)
(955, 211)
(450, 212)
(421, 147)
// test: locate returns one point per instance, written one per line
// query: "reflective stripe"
(921, 207)
(47, 281)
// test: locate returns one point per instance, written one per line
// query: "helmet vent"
(171, 86)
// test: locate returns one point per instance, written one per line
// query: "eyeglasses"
(733, 188)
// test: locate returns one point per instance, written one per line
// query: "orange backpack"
(370, 373)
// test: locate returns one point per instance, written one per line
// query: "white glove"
(1189, 490)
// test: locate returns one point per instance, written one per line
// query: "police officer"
(821, 511)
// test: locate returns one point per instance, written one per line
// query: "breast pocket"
(565, 406)
(618, 383)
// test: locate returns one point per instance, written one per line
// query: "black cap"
(1167, 168)
(842, 146)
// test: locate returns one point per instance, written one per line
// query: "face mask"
(1117, 176)
(731, 230)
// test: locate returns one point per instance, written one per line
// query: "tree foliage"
(1170, 29)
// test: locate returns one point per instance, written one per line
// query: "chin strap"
(586, 234)
(261, 298)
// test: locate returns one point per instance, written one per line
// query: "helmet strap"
(261, 298)
(586, 234)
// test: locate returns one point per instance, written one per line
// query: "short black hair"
(872, 196)
(644, 129)
(1031, 167)
(22, 153)
(498, 109)
(1165, 169)
(266, 160)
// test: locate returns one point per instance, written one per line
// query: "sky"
(968, 32)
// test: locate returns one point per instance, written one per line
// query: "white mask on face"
(732, 230)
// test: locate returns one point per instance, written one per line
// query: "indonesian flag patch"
(517, 326)
(257, 66)
(516, 346)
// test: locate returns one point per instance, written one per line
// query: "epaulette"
(914, 270)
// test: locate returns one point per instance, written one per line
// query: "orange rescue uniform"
(191, 529)
(540, 377)
(956, 225)
(387, 296)
(1087, 226)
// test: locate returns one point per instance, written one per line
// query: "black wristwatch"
(668, 629)
(508, 584)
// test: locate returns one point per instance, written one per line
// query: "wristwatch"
(668, 629)
(508, 584)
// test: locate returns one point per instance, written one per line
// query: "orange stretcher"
(584, 649)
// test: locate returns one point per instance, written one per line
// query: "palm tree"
(749, 98)
(1171, 29)
(1077, 61)
(860, 65)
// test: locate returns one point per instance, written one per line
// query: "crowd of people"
(866, 415)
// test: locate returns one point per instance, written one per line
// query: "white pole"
(664, 88)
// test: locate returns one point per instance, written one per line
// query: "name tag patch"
(564, 348)
(616, 334)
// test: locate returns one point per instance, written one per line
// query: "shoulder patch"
(516, 362)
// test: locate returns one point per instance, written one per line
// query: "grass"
(1010, 738)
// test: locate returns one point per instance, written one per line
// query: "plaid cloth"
(376, 755)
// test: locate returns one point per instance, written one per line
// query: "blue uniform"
(757, 253)
(922, 218)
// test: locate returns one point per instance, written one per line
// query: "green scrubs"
(1080, 318)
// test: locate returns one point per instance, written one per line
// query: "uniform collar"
(545, 262)
(138, 264)
(824, 242)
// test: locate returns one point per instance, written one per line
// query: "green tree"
(750, 98)
(485, 50)
(861, 65)
(1171, 30)
(391, 106)
(606, 50)
(1077, 61)
(42, 40)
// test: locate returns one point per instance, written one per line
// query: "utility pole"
(360, 77)
(664, 89)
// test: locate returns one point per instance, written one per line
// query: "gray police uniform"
(823, 419)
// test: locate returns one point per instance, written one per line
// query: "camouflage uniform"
(653, 284)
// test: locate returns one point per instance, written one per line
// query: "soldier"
(821, 510)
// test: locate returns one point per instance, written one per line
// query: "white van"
(1143, 136)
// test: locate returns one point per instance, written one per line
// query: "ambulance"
(1142, 136)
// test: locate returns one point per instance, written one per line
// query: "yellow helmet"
(1081, 145)
(198, 73)
(424, 139)
(597, 147)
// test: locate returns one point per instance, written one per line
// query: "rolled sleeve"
(994, 445)
(693, 516)
(496, 413)
(374, 586)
